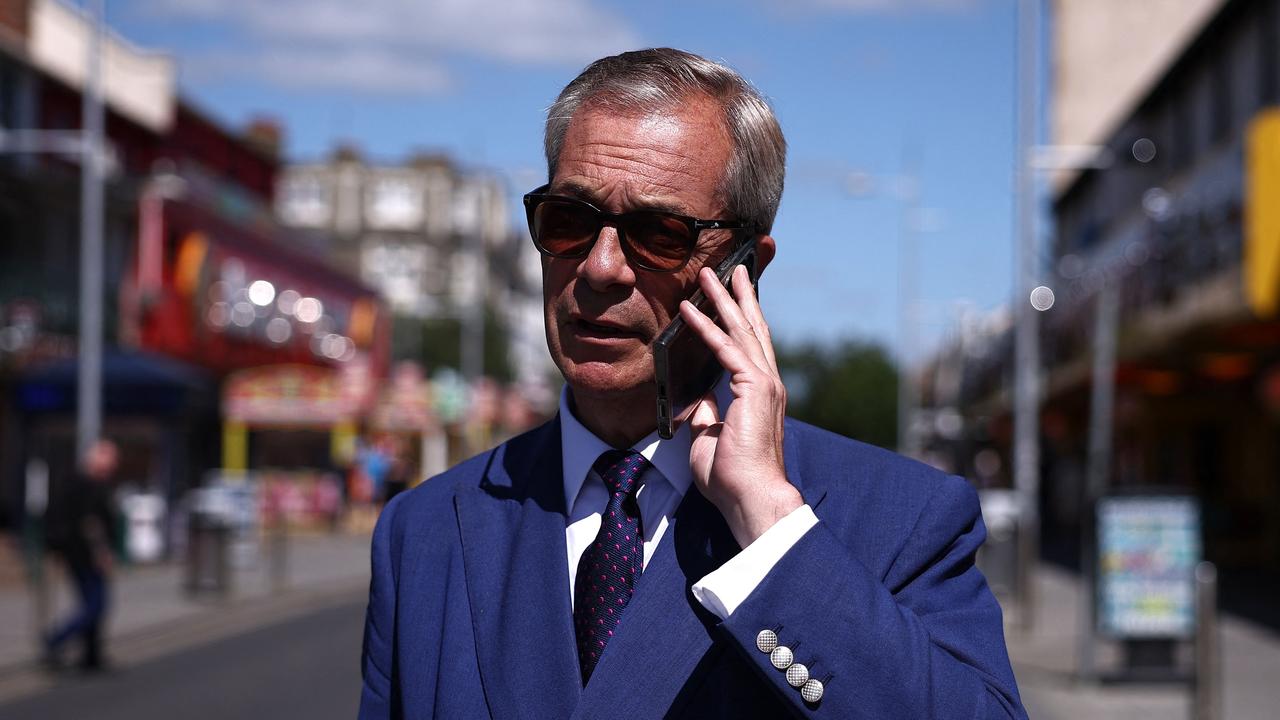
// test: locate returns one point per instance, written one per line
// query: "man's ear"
(766, 248)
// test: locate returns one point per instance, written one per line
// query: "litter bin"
(208, 545)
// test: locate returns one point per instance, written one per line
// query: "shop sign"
(295, 395)
(1148, 548)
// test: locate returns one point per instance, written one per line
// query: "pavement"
(1045, 661)
(307, 666)
(153, 615)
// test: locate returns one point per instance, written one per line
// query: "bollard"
(1206, 696)
(37, 561)
(220, 535)
(278, 554)
(191, 576)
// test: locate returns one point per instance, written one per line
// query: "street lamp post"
(1026, 408)
(89, 372)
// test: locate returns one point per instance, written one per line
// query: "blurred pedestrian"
(400, 471)
(374, 460)
(82, 526)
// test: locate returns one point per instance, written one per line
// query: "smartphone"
(684, 367)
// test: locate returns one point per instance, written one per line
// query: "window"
(8, 95)
(394, 202)
(1269, 53)
(304, 201)
(1220, 94)
(1182, 136)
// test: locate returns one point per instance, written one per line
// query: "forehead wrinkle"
(671, 159)
(648, 156)
(658, 185)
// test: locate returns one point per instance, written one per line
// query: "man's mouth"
(602, 330)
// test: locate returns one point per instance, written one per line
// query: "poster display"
(1148, 548)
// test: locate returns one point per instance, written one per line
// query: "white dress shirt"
(662, 487)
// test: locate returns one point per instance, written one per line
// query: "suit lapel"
(512, 528)
(665, 633)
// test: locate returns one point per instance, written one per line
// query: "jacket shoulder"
(824, 453)
(872, 488)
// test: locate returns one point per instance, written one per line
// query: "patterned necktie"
(609, 568)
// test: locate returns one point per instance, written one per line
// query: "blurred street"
(1045, 663)
(303, 632)
(305, 666)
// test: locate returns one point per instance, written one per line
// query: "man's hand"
(106, 561)
(737, 462)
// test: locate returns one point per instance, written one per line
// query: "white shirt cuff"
(723, 590)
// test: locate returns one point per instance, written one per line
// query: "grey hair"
(646, 81)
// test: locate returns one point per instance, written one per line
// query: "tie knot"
(620, 469)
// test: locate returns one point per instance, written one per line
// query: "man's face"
(102, 460)
(602, 314)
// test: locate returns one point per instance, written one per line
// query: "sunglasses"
(565, 227)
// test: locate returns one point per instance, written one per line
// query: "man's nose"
(606, 265)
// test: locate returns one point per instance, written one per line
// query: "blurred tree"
(441, 345)
(849, 388)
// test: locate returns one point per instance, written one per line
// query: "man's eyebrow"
(582, 192)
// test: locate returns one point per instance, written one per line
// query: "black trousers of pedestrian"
(87, 621)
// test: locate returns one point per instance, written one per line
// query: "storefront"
(290, 431)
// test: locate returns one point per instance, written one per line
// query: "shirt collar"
(580, 448)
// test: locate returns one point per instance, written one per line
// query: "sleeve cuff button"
(812, 691)
(797, 675)
(766, 641)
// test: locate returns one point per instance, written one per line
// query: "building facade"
(1166, 227)
(435, 240)
(200, 281)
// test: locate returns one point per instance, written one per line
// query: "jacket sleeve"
(378, 696)
(926, 640)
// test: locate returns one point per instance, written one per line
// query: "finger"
(745, 293)
(704, 434)
(705, 414)
(726, 350)
(731, 317)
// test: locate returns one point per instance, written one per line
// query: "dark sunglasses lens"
(563, 228)
(658, 241)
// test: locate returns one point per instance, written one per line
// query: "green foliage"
(850, 388)
(437, 343)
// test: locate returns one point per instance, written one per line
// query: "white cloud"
(394, 45)
(369, 70)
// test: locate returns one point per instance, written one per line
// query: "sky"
(873, 89)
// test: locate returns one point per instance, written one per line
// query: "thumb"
(704, 432)
(705, 414)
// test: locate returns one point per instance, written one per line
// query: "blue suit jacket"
(469, 612)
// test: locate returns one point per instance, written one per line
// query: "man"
(751, 566)
(82, 528)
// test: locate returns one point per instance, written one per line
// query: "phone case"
(677, 394)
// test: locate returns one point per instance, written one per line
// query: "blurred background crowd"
(1033, 242)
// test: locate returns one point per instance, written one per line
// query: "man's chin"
(604, 380)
